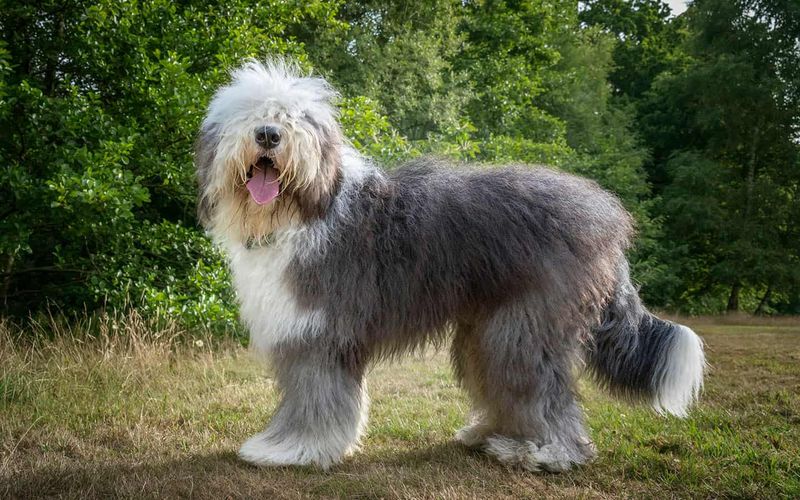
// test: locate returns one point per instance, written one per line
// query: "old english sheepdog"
(338, 263)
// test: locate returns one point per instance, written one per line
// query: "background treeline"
(694, 121)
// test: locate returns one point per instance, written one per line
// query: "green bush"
(100, 105)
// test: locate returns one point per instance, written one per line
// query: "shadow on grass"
(430, 471)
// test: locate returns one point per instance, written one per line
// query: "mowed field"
(138, 413)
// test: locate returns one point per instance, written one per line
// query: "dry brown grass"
(139, 409)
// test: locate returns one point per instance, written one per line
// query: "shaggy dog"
(338, 263)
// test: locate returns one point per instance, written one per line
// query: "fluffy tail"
(639, 356)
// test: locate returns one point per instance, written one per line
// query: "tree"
(728, 124)
(507, 55)
(646, 40)
(397, 53)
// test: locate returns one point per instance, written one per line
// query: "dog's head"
(268, 153)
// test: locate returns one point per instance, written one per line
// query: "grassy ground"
(130, 414)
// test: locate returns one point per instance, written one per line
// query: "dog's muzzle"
(268, 136)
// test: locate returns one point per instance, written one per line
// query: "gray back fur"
(410, 251)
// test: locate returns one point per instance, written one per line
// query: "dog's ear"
(317, 198)
(205, 149)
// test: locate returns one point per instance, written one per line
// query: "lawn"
(141, 412)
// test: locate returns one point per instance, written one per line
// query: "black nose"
(268, 137)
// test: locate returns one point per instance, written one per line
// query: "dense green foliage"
(720, 114)
(694, 121)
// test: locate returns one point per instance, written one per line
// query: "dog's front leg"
(323, 410)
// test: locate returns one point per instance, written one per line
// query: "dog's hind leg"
(323, 411)
(521, 377)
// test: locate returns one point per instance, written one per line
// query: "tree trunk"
(50, 76)
(7, 279)
(733, 299)
(764, 301)
(751, 174)
(750, 181)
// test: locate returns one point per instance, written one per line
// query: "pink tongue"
(264, 185)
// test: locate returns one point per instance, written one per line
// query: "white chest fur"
(266, 302)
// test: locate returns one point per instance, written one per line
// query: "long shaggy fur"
(522, 266)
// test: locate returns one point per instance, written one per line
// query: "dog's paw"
(473, 435)
(550, 457)
(266, 451)
(526, 454)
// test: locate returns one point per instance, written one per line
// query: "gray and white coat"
(521, 268)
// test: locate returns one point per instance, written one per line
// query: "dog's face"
(268, 153)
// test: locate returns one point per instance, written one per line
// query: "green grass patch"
(143, 417)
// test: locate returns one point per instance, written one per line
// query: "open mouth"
(262, 181)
